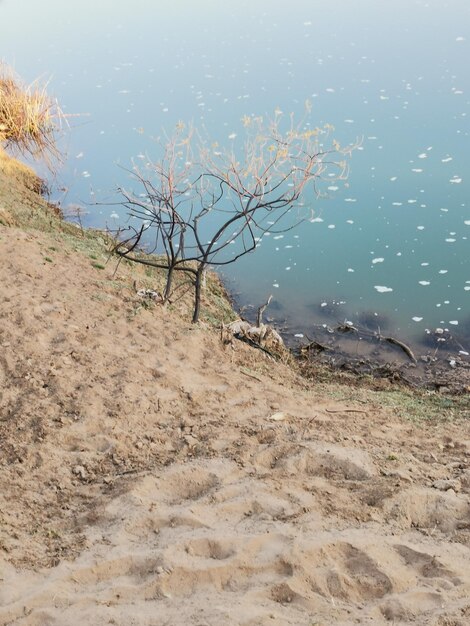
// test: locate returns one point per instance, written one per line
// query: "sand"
(151, 475)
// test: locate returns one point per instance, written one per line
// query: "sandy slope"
(150, 475)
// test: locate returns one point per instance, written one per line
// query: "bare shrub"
(201, 206)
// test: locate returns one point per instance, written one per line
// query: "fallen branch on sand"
(345, 411)
(247, 373)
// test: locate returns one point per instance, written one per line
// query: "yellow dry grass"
(30, 119)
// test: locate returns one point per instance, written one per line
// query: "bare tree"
(200, 206)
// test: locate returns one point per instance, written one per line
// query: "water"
(394, 242)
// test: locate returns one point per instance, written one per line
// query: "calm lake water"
(394, 241)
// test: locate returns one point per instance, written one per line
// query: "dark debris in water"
(359, 351)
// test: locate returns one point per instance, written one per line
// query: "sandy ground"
(150, 475)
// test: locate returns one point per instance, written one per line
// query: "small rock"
(79, 471)
(444, 389)
(446, 485)
(150, 294)
(190, 440)
(402, 475)
(278, 417)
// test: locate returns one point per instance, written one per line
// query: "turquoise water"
(393, 242)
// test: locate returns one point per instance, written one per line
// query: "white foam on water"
(424, 282)
(417, 319)
(382, 289)
(378, 260)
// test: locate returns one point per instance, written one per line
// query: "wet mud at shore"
(384, 356)
(438, 360)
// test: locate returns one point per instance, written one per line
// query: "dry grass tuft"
(30, 120)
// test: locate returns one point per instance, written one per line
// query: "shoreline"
(366, 353)
(360, 352)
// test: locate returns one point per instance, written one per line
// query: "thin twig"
(247, 373)
(261, 310)
(345, 411)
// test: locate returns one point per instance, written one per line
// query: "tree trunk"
(169, 283)
(197, 292)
